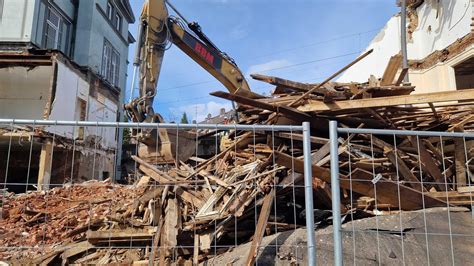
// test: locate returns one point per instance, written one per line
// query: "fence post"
(335, 191)
(308, 191)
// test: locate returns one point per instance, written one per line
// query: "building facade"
(440, 46)
(66, 60)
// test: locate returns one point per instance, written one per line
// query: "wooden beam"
(445, 96)
(398, 163)
(400, 79)
(460, 159)
(260, 229)
(287, 111)
(433, 109)
(119, 236)
(249, 94)
(299, 137)
(45, 165)
(391, 70)
(427, 162)
(297, 86)
(362, 56)
(387, 190)
(170, 227)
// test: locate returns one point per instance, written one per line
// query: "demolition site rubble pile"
(200, 208)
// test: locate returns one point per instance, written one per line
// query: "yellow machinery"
(157, 31)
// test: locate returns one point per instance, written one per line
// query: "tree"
(127, 135)
(184, 119)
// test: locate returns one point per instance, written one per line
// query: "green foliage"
(126, 136)
(184, 119)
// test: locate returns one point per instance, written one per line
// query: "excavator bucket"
(166, 146)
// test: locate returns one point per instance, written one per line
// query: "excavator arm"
(157, 31)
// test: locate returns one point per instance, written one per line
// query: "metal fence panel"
(416, 186)
(62, 201)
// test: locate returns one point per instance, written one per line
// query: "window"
(118, 21)
(110, 63)
(56, 31)
(110, 10)
(114, 16)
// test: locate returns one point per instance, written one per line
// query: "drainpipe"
(403, 34)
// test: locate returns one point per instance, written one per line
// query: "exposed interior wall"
(439, 24)
(24, 94)
(17, 20)
(69, 87)
(442, 76)
(24, 91)
(437, 78)
(95, 166)
(102, 109)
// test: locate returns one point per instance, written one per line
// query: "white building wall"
(17, 20)
(102, 109)
(440, 23)
(69, 86)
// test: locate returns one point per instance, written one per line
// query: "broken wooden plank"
(460, 159)
(433, 97)
(394, 64)
(287, 111)
(299, 137)
(170, 227)
(401, 77)
(298, 86)
(298, 100)
(45, 164)
(397, 162)
(119, 236)
(260, 229)
(362, 183)
(427, 163)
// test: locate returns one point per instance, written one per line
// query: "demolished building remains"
(245, 201)
(62, 60)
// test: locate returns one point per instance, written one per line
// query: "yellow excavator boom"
(158, 30)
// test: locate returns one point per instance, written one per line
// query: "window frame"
(62, 30)
(110, 63)
(110, 10)
(118, 21)
(49, 23)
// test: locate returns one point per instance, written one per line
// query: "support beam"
(425, 98)
(298, 86)
(391, 70)
(260, 230)
(387, 190)
(460, 159)
(45, 165)
(287, 111)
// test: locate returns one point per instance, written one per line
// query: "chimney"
(222, 111)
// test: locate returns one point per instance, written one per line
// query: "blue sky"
(301, 40)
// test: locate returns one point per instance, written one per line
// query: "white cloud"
(199, 111)
(239, 32)
(264, 67)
